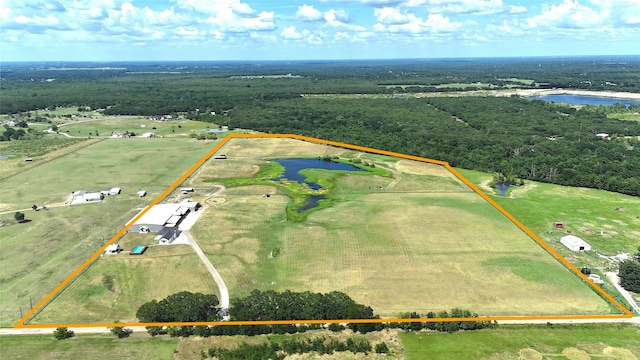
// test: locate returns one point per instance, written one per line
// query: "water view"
(584, 100)
(292, 168)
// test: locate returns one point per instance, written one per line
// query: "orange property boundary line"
(70, 278)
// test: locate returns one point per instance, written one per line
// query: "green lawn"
(37, 255)
(95, 347)
(423, 243)
(104, 126)
(136, 280)
(527, 342)
(585, 212)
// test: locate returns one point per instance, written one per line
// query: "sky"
(211, 30)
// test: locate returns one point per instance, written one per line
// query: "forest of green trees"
(517, 137)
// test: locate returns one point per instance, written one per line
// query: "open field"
(573, 342)
(40, 151)
(107, 347)
(142, 346)
(38, 255)
(585, 212)
(132, 164)
(430, 247)
(104, 126)
(160, 272)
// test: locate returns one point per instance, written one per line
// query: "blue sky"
(148, 30)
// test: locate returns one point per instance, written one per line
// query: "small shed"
(574, 243)
(558, 225)
(603, 136)
(141, 193)
(112, 249)
(115, 191)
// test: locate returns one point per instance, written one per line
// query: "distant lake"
(584, 100)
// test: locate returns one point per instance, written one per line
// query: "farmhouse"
(574, 243)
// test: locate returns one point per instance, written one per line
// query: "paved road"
(102, 329)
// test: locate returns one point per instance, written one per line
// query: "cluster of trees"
(287, 305)
(280, 350)
(504, 135)
(629, 273)
(21, 131)
(531, 140)
(182, 306)
(149, 89)
(444, 326)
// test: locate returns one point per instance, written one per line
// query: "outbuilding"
(112, 249)
(115, 191)
(574, 243)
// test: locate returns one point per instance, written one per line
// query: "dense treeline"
(274, 350)
(162, 88)
(513, 136)
(271, 305)
(530, 139)
(287, 305)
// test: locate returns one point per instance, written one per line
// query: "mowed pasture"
(39, 254)
(88, 346)
(158, 273)
(427, 243)
(584, 212)
(105, 125)
(573, 342)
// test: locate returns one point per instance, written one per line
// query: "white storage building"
(574, 243)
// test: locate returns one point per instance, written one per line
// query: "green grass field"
(427, 240)
(585, 212)
(107, 347)
(573, 342)
(158, 273)
(37, 255)
(40, 150)
(104, 126)
(142, 346)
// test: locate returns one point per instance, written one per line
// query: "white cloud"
(514, 9)
(308, 13)
(569, 15)
(390, 16)
(290, 33)
(337, 16)
(434, 23)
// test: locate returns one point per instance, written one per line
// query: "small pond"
(502, 188)
(584, 99)
(311, 202)
(214, 130)
(292, 169)
(5, 156)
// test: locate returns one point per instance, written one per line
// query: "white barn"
(574, 243)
